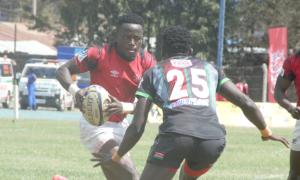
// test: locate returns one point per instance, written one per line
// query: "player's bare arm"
(132, 135)
(250, 110)
(280, 96)
(64, 76)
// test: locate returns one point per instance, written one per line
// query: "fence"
(256, 78)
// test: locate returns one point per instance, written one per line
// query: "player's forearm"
(64, 77)
(282, 99)
(253, 114)
(132, 136)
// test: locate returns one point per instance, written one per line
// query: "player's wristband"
(127, 107)
(266, 132)
(73, 88)
(116, 157)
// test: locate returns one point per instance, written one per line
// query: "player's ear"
(190, 51)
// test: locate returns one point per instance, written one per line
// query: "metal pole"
(265, 82)
(15, 39)
(16, 101)
(221, 32)
(34, 7)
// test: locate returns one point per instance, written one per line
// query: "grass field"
(39, 149)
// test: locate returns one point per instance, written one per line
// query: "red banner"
(277, 54)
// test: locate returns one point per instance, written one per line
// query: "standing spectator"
(243, 86)
(31, 88)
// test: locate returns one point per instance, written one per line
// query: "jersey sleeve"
(90, 59)
(222, 78)
(287, 70)
(146, 88)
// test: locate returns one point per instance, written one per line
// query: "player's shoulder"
(146, 56)
(292, 61)
(97, 51)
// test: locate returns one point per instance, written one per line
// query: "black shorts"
(169, 150)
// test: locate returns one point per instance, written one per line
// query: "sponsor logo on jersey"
(114, 73)
(294, 141)
(83, 55)
(190, 101)
(181, 63)
(159, 156)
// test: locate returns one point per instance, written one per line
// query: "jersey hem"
(221, 83)
(144, 95)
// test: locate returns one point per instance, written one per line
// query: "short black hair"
(131, 19)
(177, 39)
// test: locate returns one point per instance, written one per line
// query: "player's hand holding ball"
(114, 107)
(94, 98)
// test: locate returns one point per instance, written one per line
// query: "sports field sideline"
(39, 149)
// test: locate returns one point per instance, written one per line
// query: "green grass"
(39, 149)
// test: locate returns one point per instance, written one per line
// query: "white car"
(49, 92)
(6, 82)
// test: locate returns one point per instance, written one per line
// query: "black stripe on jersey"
(296, 55)
(142, 54)
(111, 45)
(152, 59)
(93, 63)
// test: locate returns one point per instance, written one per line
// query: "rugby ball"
(95, 99)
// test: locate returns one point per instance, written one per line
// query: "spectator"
(243, 86)
(31, 88)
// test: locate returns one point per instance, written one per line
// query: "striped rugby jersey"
(185, 88)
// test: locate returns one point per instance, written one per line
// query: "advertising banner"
(277, 54)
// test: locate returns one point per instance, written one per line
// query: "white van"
(49, 92)
(6, 82)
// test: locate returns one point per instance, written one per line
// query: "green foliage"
(93, 22)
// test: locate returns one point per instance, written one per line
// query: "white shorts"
(296, 137)
(94, 137)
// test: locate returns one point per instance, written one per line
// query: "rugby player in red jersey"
(118, 67)
(290, 72)
(184, 87)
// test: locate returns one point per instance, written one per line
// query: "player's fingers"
(112, 112)
(113, 99)
(96, 165)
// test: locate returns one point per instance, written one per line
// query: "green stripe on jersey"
(187, 78)
(165, 81)
(208, 83)
(144, 95)
(221, 83)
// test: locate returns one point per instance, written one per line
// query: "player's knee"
(194, 173)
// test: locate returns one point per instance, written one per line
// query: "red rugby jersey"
(118, 76)
(291, 71)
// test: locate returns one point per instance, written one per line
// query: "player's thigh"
(295, 162)
(205, 153)
(169, 150)
(157, 172)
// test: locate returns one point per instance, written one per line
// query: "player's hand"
(295, 112)
(103, 158)
(114, 107)
(275, 137)
(79, 98)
